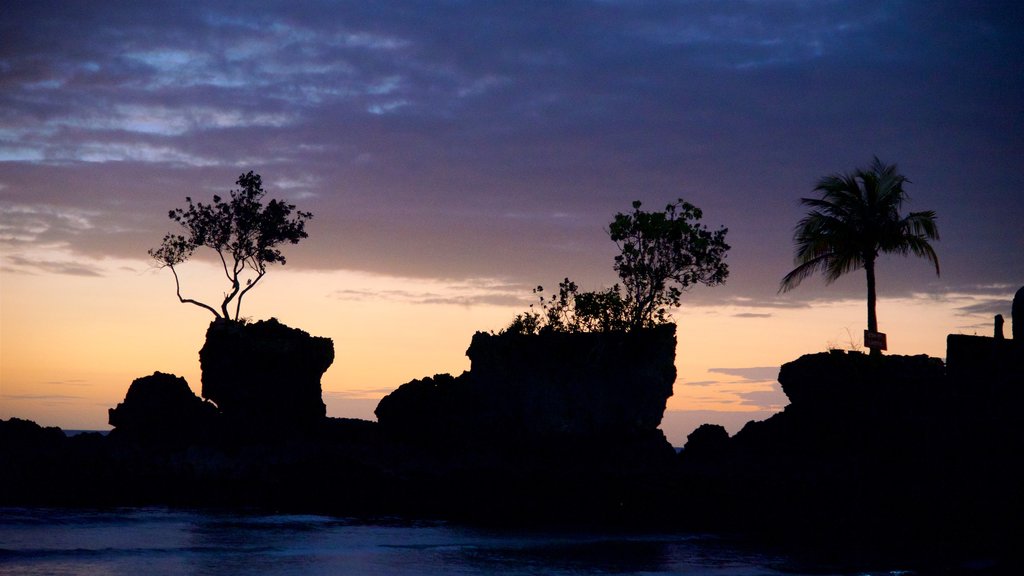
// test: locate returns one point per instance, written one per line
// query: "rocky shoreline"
(901, 453)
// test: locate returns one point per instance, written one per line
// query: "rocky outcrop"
(543, 387)
(542, 427)
(162, 408)
(889, 448)
(828, 382)
(265, 375)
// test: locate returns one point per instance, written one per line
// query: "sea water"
(156, 541)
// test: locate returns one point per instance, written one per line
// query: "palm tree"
(856, 219)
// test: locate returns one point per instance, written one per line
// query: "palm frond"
(922, 224)
(920, 247)
(841, 264)
(798, 274)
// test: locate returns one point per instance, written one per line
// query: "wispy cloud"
(359, 393)
(25, 265)
(751, 374)
(26, 223)
(43, 397)
(702, 382)
(466, 293)
(989, 307)
(71, 382)
(773, 399)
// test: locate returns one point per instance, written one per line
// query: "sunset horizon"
(454, 158)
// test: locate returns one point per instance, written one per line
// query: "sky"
(457, 154)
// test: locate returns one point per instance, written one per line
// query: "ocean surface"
(156, 541)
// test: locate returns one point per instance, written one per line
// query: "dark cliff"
(541, 427)
(544, 387)
(265, 375)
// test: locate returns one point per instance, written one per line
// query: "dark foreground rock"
(542, 425)
(551, 387)
(265, 376)
(888, 450)
(162, 408)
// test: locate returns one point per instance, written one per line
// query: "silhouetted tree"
(856, 219)
(662, 254)
(243, 232)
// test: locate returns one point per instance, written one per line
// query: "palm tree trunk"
(869, 268)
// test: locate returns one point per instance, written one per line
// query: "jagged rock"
(265, 375)
(524, 388)
(162, 407)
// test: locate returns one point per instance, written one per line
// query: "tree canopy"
(242, 231)
(662, 254)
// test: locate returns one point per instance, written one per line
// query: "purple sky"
(467, 140)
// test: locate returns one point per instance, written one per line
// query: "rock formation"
(893, 446)
(162, 408)
(265, 375)
(708, 441)
(837, 381)
(544, 387)
(1017, 315)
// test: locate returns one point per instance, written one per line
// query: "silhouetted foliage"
(661, 254)
(856, 219)
(573, 311)
(243, 232)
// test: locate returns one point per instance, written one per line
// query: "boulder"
(162, 407)
(265, 375)
(708, 441)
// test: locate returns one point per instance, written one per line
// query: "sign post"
(874, 340)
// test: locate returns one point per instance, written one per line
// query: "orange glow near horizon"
(71, 345)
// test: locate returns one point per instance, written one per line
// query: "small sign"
(874, 340)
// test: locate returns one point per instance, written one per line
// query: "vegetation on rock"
(243, 232)
(661, 255)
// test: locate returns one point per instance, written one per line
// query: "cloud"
(771, 302)
(770, 400)
(43, 397)
(752, 374)
(752, 315)
(22, 223)
(71, 382)
(21, 264)
(463, 293)
(989, 307)
(466, 140)
(359, 393)
(702, 382)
